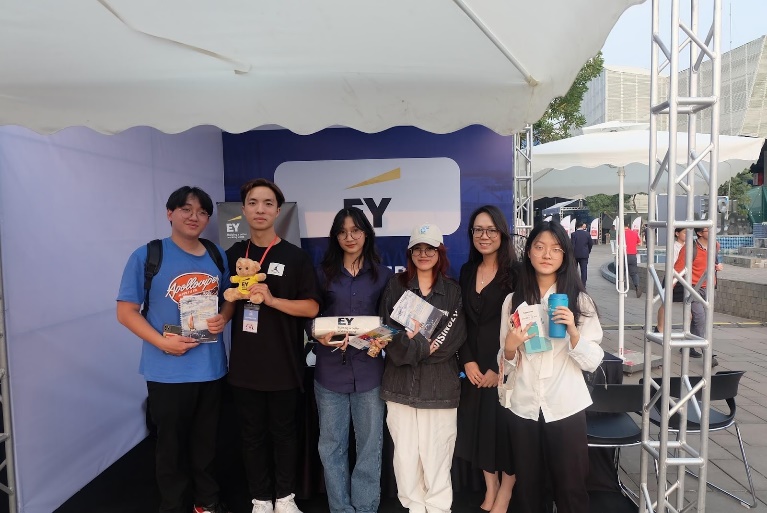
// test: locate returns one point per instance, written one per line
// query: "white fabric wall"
(73, 206)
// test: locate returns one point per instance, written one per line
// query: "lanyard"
(261, 262)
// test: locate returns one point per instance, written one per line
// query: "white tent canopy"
(588, 164)
(369, 65)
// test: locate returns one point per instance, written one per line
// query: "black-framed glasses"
(492, 233)
(354, 233)
(187, 212)
(429, 251)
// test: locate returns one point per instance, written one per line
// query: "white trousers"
(424, 440)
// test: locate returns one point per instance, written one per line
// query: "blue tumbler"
(556, 330)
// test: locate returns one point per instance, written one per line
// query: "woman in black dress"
(486, 279)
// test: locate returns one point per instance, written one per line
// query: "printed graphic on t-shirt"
(276, 269)
(190, 284)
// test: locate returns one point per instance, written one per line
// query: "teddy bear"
(247, 274)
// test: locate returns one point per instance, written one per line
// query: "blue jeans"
(362, 492)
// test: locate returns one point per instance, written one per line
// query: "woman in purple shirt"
(347, 380)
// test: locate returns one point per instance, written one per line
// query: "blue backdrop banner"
(400, 177)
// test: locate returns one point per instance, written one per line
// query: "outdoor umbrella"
(614, 158)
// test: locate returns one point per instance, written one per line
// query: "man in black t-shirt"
(266, 361)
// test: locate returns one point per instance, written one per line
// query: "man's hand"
(216, 324)
(177, 345)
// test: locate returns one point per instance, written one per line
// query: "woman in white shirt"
(545, 392)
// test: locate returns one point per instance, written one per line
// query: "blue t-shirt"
(180, 274)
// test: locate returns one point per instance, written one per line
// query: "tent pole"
(621, 285)
(5, 398)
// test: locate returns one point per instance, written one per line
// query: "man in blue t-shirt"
(184, 376)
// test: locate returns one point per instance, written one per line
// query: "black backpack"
(154, 261)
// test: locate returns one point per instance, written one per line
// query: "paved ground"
(741, 344)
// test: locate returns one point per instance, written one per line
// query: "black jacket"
(582, 243)
(412, 376)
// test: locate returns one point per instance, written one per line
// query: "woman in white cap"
(420, 382)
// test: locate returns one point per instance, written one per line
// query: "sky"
(629, 42)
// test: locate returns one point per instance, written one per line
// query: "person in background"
(347, 382)
(545, 392)
(680, 235)
(699, 268)
(486, 279)
(582, 245)
(420, 382)
(632, 241)
(183, 377)
(267, 356)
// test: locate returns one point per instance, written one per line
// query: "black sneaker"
(694, 353)
(639, 292)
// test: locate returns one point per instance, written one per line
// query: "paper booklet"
(382, 333)
(195, 312)
(526, 314)
(410, 307)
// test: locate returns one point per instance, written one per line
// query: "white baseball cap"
(426, 233)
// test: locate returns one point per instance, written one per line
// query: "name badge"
(250, 318)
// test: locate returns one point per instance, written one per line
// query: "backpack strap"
(151, 268)
(214, 253)
(154, 261)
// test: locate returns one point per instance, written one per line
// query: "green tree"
(563, 113)
(599, 204)
(737, 189)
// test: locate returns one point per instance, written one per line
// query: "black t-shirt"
(272, 359)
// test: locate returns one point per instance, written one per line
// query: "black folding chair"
(724, 387)
(610, 425)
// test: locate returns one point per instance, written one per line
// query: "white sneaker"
(262, 507)
(286, 505)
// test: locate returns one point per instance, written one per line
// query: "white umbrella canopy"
(240, 64)
(588, 164)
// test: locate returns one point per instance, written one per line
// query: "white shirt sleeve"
(588, 354)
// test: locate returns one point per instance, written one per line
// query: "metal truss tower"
(523, 188)
(675, 456)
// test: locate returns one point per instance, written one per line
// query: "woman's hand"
(515, 338)
(563, 315)
(489, 380)
(325, 340)
(473, 374)
(411, 334)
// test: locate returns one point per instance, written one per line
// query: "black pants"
(583, 263)
(633, 270)
(556, 452)
(186, 416)
(265, 414)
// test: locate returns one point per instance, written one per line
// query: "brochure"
(195, 312)
(526, 314)
(382, 333)
(410, 307)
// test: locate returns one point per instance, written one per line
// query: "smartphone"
(171, 329)
(337, 339)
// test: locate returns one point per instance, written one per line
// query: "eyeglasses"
(354, 233)
(187, 212)
(492, 233)
(429, 252)
(539, 250)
